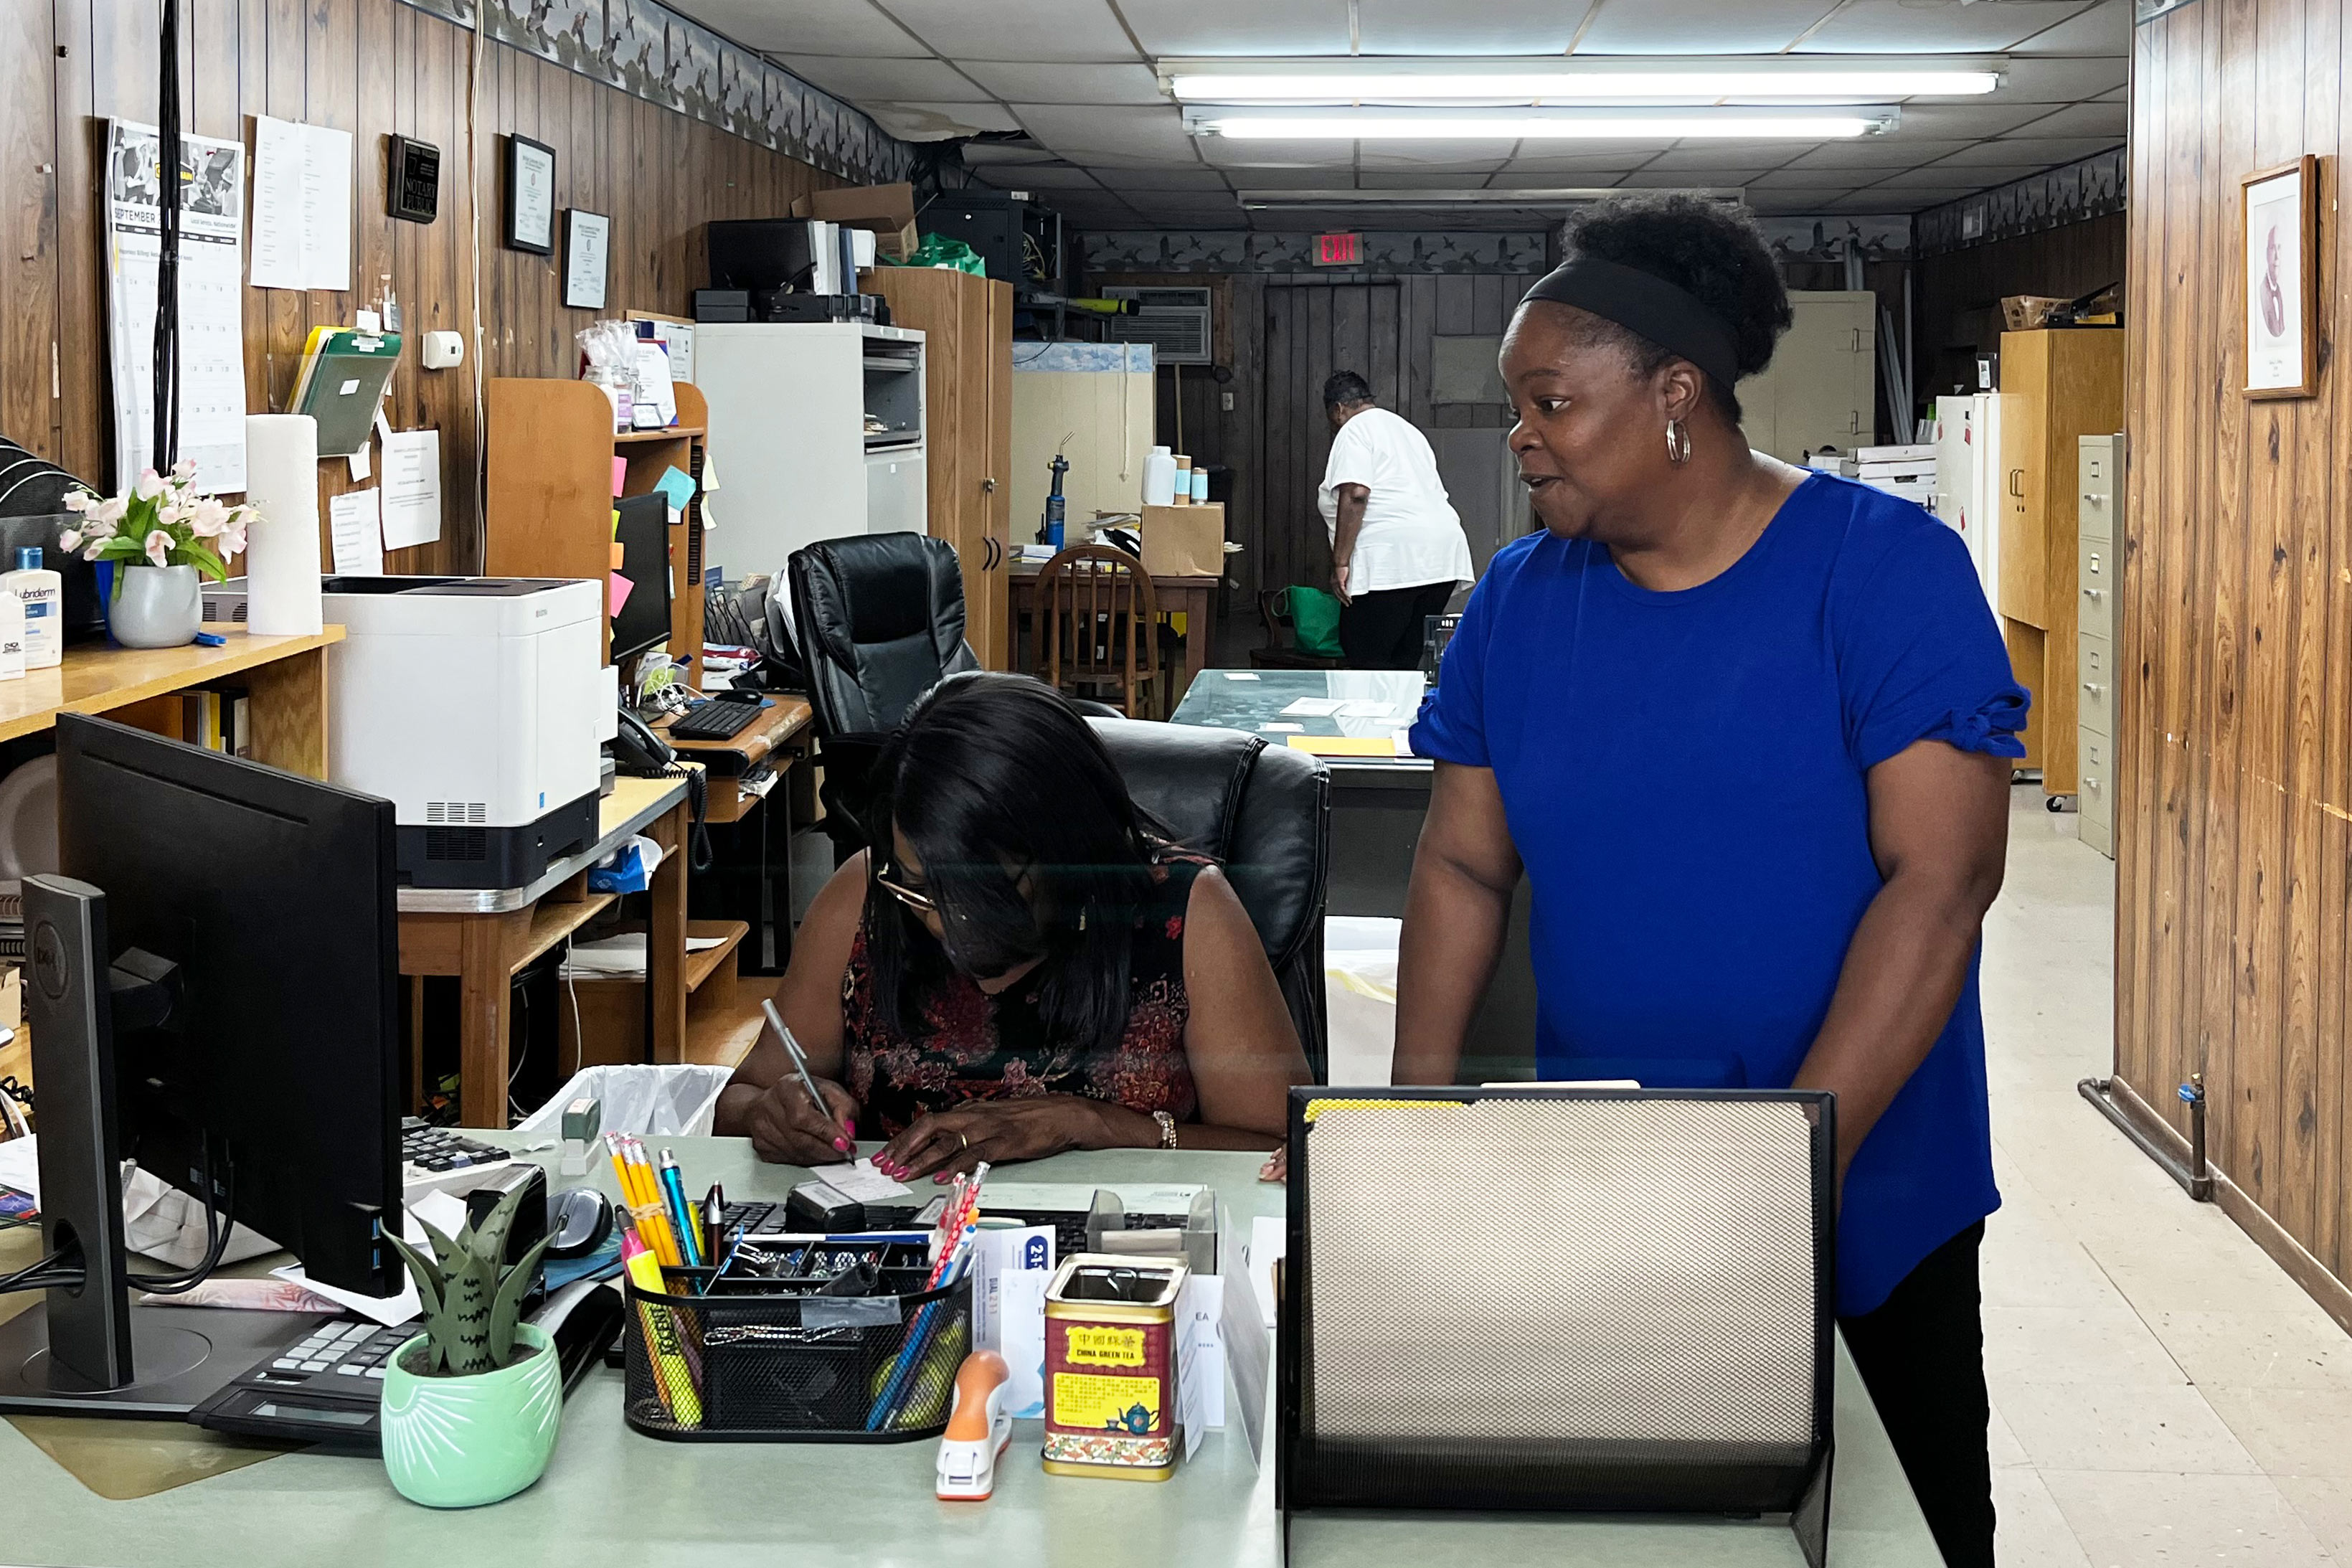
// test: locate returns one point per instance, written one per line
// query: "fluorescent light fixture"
(1749, 84)
(1588, 125)
(1482, 196)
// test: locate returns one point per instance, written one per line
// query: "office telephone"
(638, 750)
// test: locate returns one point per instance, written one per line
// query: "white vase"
(155, 606)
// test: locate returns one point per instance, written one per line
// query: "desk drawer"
(2098, 487)
(2095, 673)
(2097, 581)
(2096, 805)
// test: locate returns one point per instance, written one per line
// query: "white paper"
(588, 237)
(1314, 708)
(362, 464)
(1201, 1358)
(1021, 1339)
(654, 389)
(367, 321)
(1249, 1350)
(859, 1182)
(411, 488)
(1269, 1240)
(1240, 675)
(211, 354)
(1283, 728)
(997, 1253)
(1365, 708)
(444, 1212)
(301, 205)
(20, 1165)
(357, 535)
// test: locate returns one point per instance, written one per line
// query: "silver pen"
(800, 1059)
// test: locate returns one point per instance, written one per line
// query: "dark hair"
(1711, 250)
(992, 777)
(1344, 387)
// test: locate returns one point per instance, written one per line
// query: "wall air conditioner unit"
(1179, 323)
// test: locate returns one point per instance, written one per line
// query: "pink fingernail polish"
(940, 1179)
(842, 1144)
(851, 1128)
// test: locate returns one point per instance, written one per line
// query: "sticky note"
(616, 522)
(620, 555)
(1345, 745)
(620, 477)
(677, 485)
(618, 589)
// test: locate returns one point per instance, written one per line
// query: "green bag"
(1313, 617)
(940, 250)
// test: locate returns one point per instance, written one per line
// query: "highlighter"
(663, 1350)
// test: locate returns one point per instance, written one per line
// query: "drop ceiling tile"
(1716, 155)
(1023, 82)
(1795, 204)
(890, 80)
(2105, 29)
(1935, 26)
(1225, 153)
(1192, 179)
(1699, 27)
(1487, 27)
(1111, 135)
(1211, 27)
(1539, 166)
(990, 155)
(1811, 180)
(1967, 121)
(1898, 150)
(1046, 30)
(935, 121)
(1434, 177)
(1657, 179)
(1975, 178)
(2062, 80)
(2036, 152)
(1292, 179)
(807, 26)
(1485, 156)
(1166, 206)
(2112, 120)
(1055, 177)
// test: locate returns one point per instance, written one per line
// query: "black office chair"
(881, 621)
(1265, 813)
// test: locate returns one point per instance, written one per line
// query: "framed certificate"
(587, 241)
(530, 195)
(2279, 227)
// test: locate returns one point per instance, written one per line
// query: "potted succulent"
(471, 1405)
(155, 538)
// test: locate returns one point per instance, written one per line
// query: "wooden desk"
(483, 937)
(1194, 598)
(769, 738)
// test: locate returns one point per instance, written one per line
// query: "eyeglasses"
(921, 903)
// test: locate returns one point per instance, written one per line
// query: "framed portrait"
(587, 239)
(2280, 229)
(530, 195)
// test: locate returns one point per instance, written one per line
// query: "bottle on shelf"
(40, 591)
(1159, 478)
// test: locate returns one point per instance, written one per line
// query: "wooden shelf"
(699, 965)
(97, 678)
(667, 433)
(551, 922)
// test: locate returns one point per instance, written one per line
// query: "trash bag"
(1360, 977)
(650, 1102)
(940, 250)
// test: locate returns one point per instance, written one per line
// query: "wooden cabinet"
(967, 323)
(2056, 386)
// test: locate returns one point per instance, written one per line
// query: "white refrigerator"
(1968, 478)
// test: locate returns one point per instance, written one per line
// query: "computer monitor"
(213, 993)
(644, 620)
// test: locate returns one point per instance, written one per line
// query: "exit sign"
(1339, 250)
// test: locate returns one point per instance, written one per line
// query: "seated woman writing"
(1029, 967)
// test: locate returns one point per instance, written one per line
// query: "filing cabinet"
(2098, 579)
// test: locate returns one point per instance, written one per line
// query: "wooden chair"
(1095, 616)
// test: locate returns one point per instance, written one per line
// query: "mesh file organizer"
(1568, 1299)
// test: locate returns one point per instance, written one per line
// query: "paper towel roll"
(281, 555)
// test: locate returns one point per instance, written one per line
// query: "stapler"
(979, 1428)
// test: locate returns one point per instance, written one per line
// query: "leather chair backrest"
(1265, 813)
(880, 620)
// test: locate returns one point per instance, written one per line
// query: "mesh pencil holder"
(753, 1363)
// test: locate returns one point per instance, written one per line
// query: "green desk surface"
(612, 1496)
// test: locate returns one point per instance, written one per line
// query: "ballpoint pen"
(800, 1065)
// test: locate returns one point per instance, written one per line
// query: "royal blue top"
(1684, 774)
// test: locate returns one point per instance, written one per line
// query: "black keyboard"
(757, 1219)
(715, 720)
(432, 1148)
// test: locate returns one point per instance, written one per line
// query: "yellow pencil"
(654, 1214)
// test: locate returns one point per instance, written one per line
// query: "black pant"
(1383, 630)
(1922, 1357)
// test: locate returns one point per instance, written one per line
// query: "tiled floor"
(2162, 1393)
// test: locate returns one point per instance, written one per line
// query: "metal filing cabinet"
(2098, 579)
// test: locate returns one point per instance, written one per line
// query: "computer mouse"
(581, 1223)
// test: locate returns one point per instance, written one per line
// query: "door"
(994, 396)
(1822, 387)
(1313, 329)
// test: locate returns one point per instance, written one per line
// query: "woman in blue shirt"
(1747, 730)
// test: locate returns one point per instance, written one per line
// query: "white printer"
(477, 706)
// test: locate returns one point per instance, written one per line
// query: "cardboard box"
(2023, 312)
(888, 210)
(1184, 540)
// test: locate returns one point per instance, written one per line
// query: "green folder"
(342, 383)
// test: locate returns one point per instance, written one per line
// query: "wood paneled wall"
(1959, 294)
(2233, 821)
(374, 68)
(1275, 439)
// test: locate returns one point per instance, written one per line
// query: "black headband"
(1649, 306)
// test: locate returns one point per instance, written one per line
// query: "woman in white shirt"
(1397, 546)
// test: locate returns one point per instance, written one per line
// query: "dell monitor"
(642, 620)
(212, 993)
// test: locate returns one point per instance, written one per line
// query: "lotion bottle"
(40, 591)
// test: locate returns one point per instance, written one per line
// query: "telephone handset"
(638, 752)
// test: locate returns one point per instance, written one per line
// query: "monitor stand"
(87, 1351)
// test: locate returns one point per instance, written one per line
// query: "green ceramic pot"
(460, 1442)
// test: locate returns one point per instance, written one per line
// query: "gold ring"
(962, 1142)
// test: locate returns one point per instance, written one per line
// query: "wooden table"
(1195, 598)
(284, 679)
(483, 936)
(773, 738)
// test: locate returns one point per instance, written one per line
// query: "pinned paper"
(361, 466)
(618, 589)
(620, 477)
(411, 488)
(357, 532)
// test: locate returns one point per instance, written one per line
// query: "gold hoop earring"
(1678, 443)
